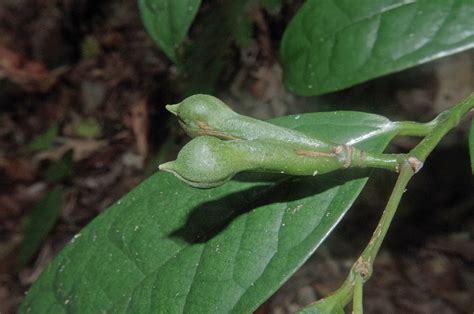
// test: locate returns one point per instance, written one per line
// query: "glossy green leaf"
(170, 248)
(40, 222)
(471, 144)
(333, 44)
(168, 21)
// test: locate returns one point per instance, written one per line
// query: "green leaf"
(44, 141)
(168, 21)
(61, 169)
(210, 50)
(333, 44)
(169, 248)
(88, 127)
(471, 144)
(40, 222)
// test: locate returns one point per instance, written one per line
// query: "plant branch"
(369, 253)
(444, 123)
(411, 128)
(357, 305)
(362, 268)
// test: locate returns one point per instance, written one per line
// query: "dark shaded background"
(75, 61)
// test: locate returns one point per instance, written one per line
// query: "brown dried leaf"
(139, 124)
(18, 169)
(31, 75)
(82, 148)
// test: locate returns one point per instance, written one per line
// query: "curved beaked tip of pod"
(167, 166)
(173, 108)
(170, 167)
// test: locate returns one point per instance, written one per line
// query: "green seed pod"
(207, 115)
(208, 161)
(227, 143)
(204, 163)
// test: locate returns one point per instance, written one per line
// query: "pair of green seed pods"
(226, 143)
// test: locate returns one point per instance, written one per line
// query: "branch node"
(363, 268)
(344, 154)
(415, 164)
